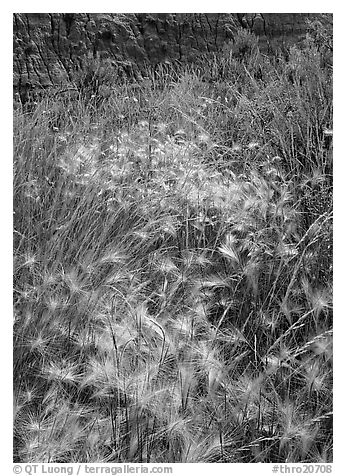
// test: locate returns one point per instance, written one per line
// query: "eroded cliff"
(48, 47)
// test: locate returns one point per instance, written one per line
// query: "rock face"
(49, 46)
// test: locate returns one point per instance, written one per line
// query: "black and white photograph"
(172, 240)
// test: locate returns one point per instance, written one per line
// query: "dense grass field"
(173, 263)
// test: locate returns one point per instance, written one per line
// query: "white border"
(339, 196)
(181, 6)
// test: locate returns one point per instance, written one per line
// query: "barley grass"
(172, 267)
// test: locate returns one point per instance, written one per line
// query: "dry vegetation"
(173, 263)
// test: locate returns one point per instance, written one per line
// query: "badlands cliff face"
(49, 46)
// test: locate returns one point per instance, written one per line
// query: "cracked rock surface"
(48, 47)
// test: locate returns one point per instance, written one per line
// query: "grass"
(172, 265)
